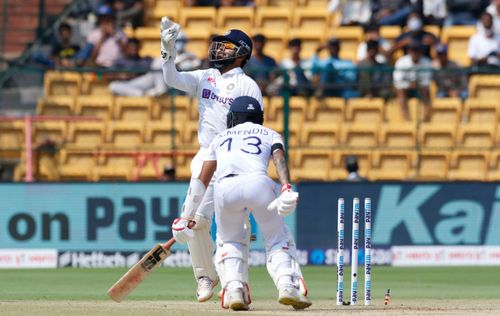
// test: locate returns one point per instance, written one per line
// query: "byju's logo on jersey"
(208, 94)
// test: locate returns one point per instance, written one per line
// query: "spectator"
(412, 78)
(298, 70)
(64, 51)
(152, 83)
(354, 12)
(374, 77)
(352, 167)
(484, 45)
(450, 81)
(434, 11)
(261, 67)
(129, 13)
(384, 47)
(417, 33)
(105, 45)
(337, 77)
(464, 12)
(494, 10)
(391, 12)
(132, 61)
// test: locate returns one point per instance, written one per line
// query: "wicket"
(354, 250)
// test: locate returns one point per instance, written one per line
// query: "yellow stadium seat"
(290, 4)
(390, 32)
(365, 111)
(235, 18)
(349, 37)
(398, 136)
(494, 166)
(457, 38)
(391, 165)
(62, 83)
(484, 86)
(125, 134)
(153, 167)
(189, 134)
(311, 164)
(276, 18)
(468, 165)
(311, 18)
(183, 166)
(49, 130)
(311, 39)
(11, 135)
(171, 11)
(437, 136)
(339, 172)
(297, 105)
(482, 111)
(150, 40)
(433, 29)
(319, 134)
(432, 164)
(116, 167)
(476, 136)
(85, 134)
(133, 108)
(162, 135)
(178, 106)
(313, 3)
(446, 111)
(93, 84)
(56, 105)
(198, 41)
(95, 106)
(326, 110)
(359, 136)
(276, 42)
(202, 18)
(393, 111)
(77, 165)
(293, 131)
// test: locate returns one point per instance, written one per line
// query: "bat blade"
(140, 271)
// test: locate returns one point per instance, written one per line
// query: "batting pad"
(201, 250)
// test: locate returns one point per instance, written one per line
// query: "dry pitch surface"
(188, 308)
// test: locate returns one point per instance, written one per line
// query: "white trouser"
(151, 83)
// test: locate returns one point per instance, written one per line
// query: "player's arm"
(287, 201)
(278, 155)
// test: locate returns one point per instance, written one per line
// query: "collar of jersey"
(233, 71)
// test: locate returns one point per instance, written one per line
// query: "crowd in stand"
(380, 71)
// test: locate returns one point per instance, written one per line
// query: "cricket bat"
(141, 270)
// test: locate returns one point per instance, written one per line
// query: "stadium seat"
(365, 111)
(390, 32)
(393, 111)
(276, 18)
(476, 136)
(359, 136)
(179, 106)
(95, 106)
(162, 135)
(201, 18)
(494, 166)
(235, 18)
(49, 130)
(152, 168)
(311, 164)
(77, 165)
(85, 134)
(276, 42)
(298, 107)
(171, 11)
(93, 84)
(124, 134)
(484, 86)
(437, 135)
(150, 40)
(446, 111)
(133, 108)
(432, 164)
(482, 111)
(310, 38)
(457, 38)
(319, 134)
(468, 165)
(198, 41)
(183, 166)
(391, 165)
(12, 135)
(56, 105)
(116, 167)
(311, 19)
(326, 110)
(349, 37)
(189, 134)
(338, 171)
(398, 136)
(62, 83)
(293, 131)
(290, 4)
(433, 29)
(313, 3)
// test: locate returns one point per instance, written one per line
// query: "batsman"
(215, 89)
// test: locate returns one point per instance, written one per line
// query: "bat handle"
(171, 241)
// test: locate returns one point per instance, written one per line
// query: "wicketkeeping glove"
(168, 34)
(286, 202)
(180, 230)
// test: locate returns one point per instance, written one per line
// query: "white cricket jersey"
(243, 149)
(215, 93)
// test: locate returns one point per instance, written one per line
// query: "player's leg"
(231, 257)
(282, 263)
(201, 247)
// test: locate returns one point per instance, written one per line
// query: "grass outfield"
(416, 291)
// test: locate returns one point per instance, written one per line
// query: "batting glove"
(168, 34)
(180, 230)
(286, 203)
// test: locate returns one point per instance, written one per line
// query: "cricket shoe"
(290, 295)
(235, 300)
(205, 289)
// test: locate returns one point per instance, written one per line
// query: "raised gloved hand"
(181, 231)
(286, 202)
(168, 34)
